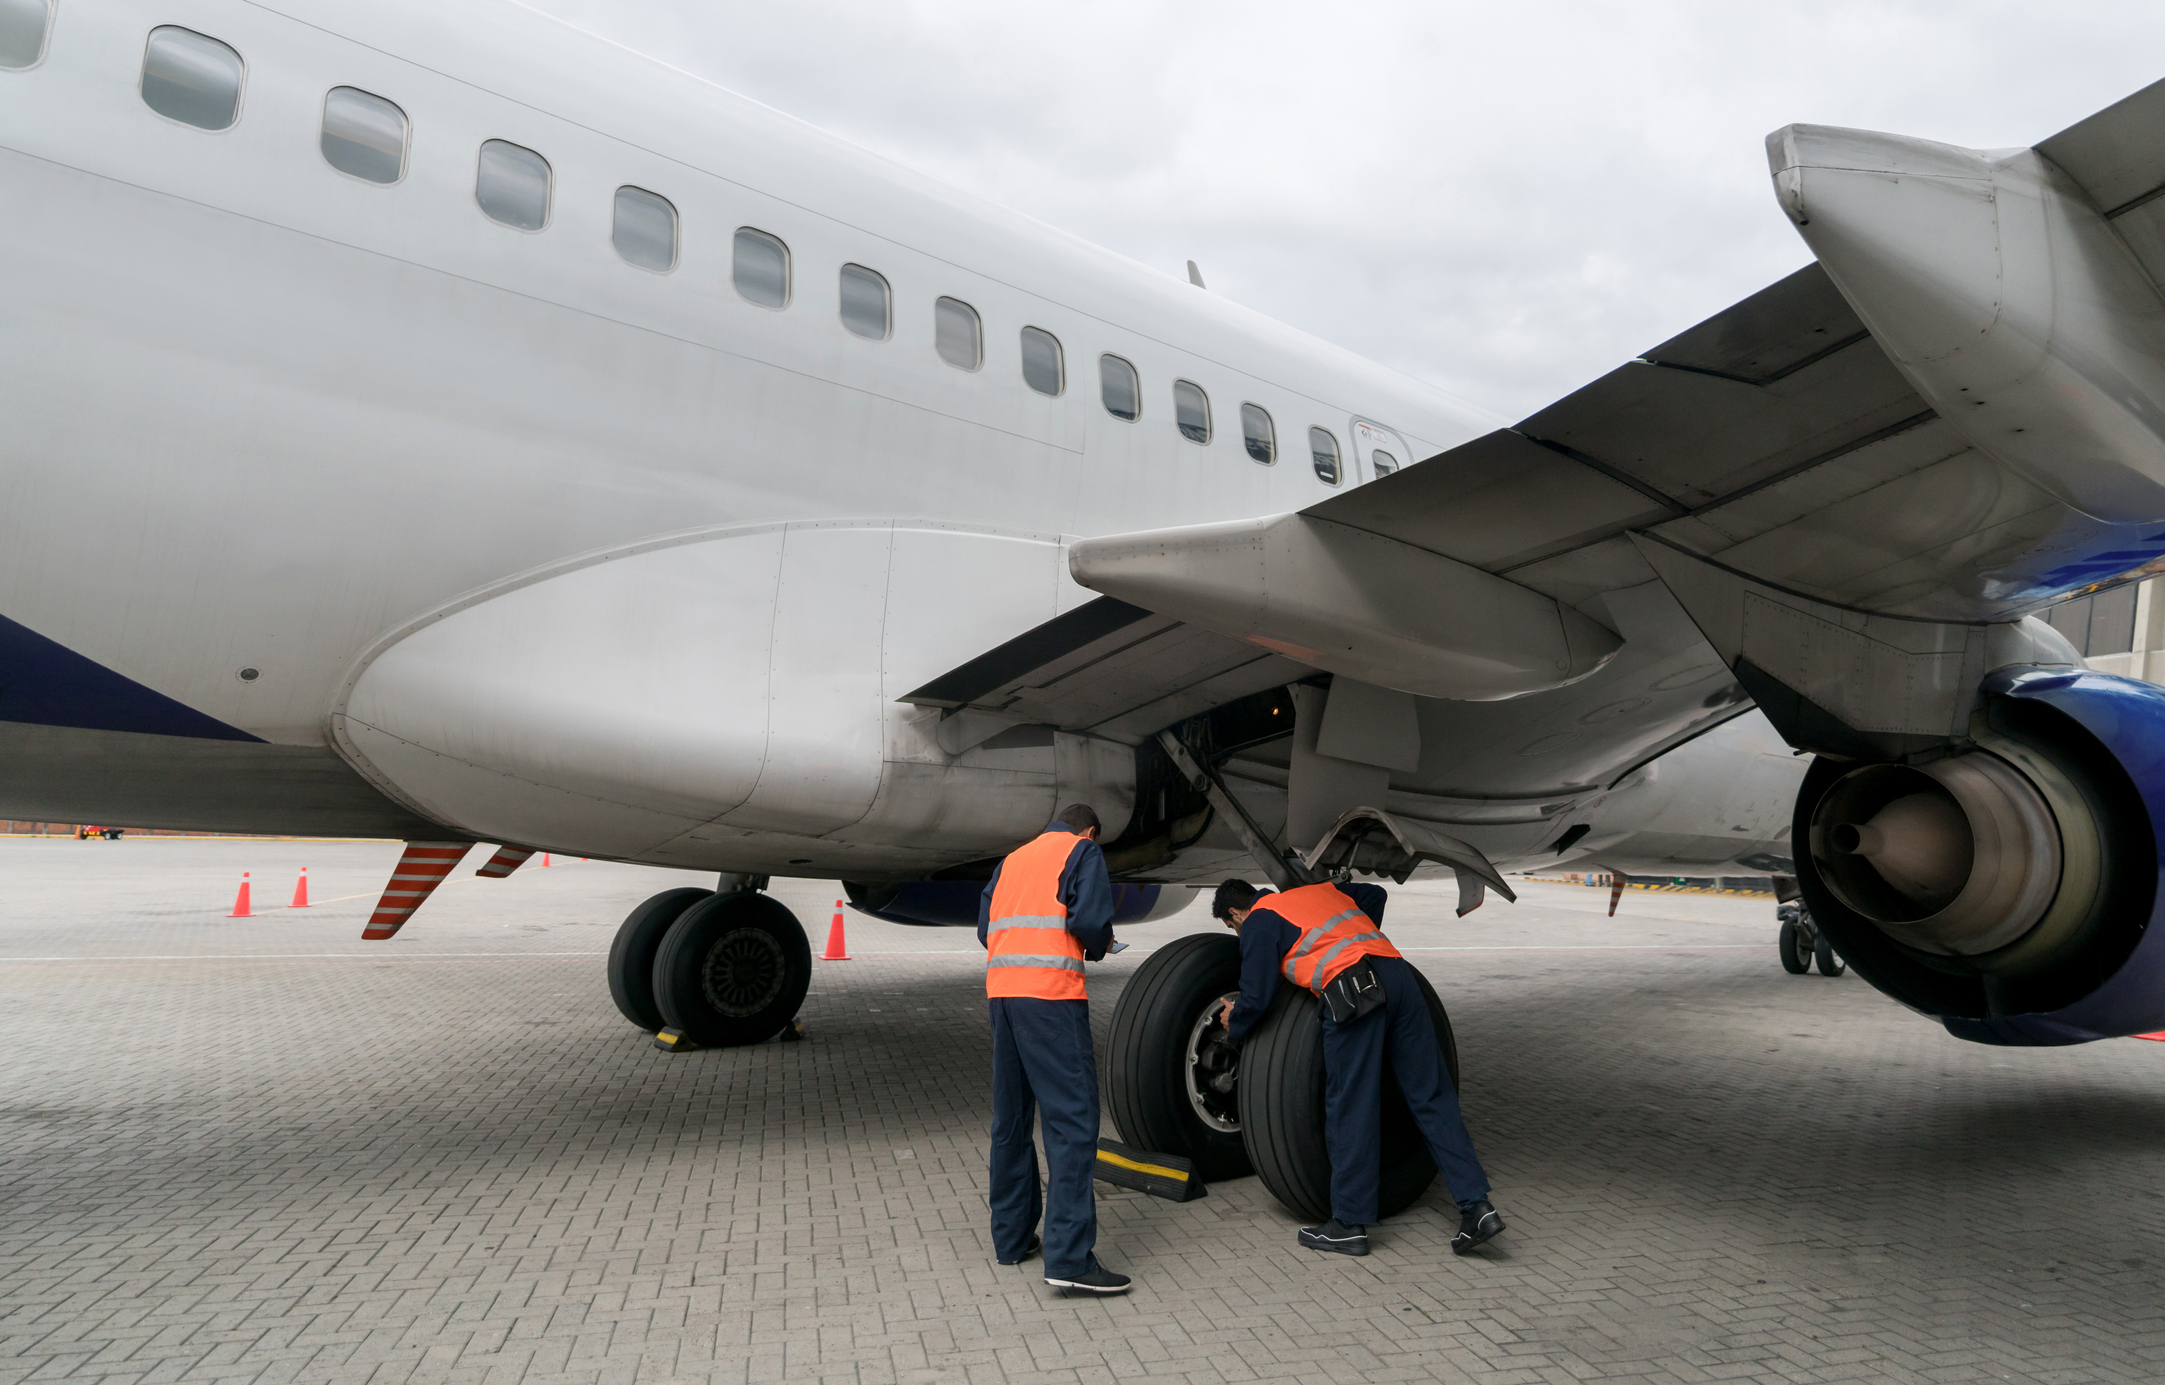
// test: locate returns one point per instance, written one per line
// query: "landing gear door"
(1377, 450)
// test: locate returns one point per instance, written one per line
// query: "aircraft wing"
(1810, 469)
(1109, 669)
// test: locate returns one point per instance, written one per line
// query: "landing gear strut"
(721, 968)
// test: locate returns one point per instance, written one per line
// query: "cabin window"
(1191, 411)
(1257, 433)
(759, 267)
(1118, 387)
(512, 185)
(23, 26)
(645, 229)
(1043, 367)
(958, 334)
(1383, 462)
(192, 78)
(364, 135)
(1325, 449)
(867, 303)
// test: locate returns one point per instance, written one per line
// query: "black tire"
(1829, 963)
(1283, 1119)
(732, 970)
(1796, 949)
(631, 956)
(1147, 1073)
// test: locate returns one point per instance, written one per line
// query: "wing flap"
(1110, 669)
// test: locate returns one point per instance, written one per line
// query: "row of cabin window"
(197, 80)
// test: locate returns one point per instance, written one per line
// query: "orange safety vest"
(1028, 950)
(1334, 933)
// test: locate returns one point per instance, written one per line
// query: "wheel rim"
(744, 972)
(1219, 1110)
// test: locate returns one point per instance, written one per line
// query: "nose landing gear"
(1802, 944)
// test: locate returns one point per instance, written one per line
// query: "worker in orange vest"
(1329, 939)
(1047, 909)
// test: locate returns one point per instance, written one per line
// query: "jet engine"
(2008, 888)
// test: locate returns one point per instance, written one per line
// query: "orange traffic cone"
(544, 858)
(837, 950)
(240, 901)
(300, 891)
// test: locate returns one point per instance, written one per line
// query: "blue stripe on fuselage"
(46, 683)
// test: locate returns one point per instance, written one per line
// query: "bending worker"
(1329, 938)
(1047, 909)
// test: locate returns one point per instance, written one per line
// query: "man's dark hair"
(1233, 894)
(1080, 816)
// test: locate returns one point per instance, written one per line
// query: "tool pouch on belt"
(1354, 992)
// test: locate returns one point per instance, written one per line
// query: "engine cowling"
(2008, 890)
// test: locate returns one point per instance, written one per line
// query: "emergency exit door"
(1377, 450)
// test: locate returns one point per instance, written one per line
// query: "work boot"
(1477, 1222)
(1029, 1252)
(1095, 1280)
(1335, 1236)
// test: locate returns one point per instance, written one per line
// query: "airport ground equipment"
(1174, 1084)
(1801, 943)
(1161, 1175)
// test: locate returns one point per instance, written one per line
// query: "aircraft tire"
(1796, 956)
(732, 969)
(631, 956)
(1282, 1112)
(1147, 1060)
(1830, 964)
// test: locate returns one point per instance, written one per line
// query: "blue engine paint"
(2128, 716)
(45, 683)
(953, 903)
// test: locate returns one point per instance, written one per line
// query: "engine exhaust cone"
(1959, 857)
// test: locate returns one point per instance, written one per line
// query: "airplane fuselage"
(551, 547)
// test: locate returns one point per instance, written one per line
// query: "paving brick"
(260, 1150)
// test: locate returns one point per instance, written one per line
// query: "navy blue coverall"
(1353, 1058)
(1042, 1061)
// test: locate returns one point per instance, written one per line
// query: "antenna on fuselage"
(1195, 276)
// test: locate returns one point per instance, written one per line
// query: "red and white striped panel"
(419, 872)
(506, 860)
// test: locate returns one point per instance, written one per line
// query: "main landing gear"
(1175, 1086)
(721, 968)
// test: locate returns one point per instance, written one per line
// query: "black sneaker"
(1029, 1252)
(1095, 1280)
(1335, 1236)
(1476, 1224)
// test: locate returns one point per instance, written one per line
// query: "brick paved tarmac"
(261, 1150)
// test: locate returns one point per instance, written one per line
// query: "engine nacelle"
(2009, 890)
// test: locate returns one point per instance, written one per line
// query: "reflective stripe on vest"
(1028, 950)
(1334, 933)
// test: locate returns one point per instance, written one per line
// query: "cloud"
(1505, 200)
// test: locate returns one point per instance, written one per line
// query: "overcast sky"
(1505, 199)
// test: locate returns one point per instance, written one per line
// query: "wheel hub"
(1211, 1082)
(744, 972)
